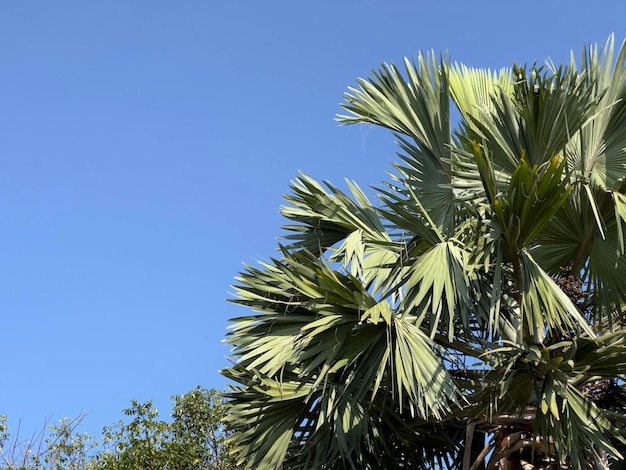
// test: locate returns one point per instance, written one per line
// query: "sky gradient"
(144, 149)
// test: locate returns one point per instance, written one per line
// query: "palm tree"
(472, 317)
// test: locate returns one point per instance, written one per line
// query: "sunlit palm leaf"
(309, 325)
(417, 106)
(437, 289)
(475, 91)
(598, 151)
(324, 218)
(544, 304)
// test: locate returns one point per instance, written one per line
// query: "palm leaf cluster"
(471, 317)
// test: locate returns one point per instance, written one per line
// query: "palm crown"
(472, 317)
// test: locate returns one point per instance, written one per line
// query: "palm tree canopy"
(481, 294)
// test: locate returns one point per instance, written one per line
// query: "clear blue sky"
(144, 149)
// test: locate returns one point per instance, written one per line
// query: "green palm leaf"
(419, 109)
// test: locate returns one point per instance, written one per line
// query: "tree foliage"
(194, 439)
(62, 448)
(472, 316)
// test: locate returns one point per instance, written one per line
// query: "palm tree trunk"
(475, 450)
(513, 445)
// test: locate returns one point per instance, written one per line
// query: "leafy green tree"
(62, 448)
(194, 439)
(473, 316)
(198, 429)
(140, 443)
(66, 448)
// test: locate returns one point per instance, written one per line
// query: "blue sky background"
(144, 149)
